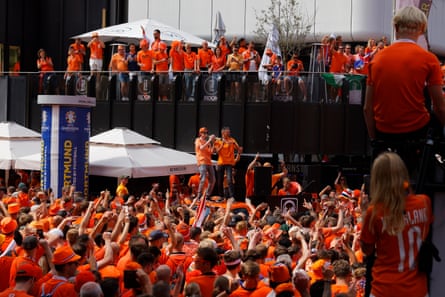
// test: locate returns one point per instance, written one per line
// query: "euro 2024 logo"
(70, 117)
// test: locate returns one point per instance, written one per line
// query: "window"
(14, 59)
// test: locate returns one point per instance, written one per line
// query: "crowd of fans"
(123, 245)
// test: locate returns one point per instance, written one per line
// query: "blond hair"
(410, 19)
(389, 180)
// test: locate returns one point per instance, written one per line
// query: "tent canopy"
(17, 143)
(132, 32)
(121, 151)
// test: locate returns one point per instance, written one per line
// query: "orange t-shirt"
(205, 57)
(161, 66)
(10, 292)
(80, 48)
(294, 70)
(74, 63)
(118, 63)
(66, 289)
(177, 60)
(96, 50)
(203, 156)
(403, 82)
(226, 155)
(338, 63)
(190, 60)
(396, 254)
(205, 283)
(145, 58)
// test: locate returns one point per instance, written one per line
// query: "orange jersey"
(161, 66)
(294, 67)
(96, 50)
(79, 49)
(218, 62)
(205, 283)
(145, 60)
(203, 156)
(177, 60)
(74, 63)
(226, 151)
(66, 289)
(394, 267)
(190, 60)
(404, 83)
(338, 63)
(118, 63)
(10, 292)
(205, 57)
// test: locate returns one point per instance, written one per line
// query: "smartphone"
(366, 182)
(130, 279)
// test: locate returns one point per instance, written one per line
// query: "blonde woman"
(396, 223)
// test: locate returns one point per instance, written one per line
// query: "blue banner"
(65, 149)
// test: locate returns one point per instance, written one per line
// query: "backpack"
(50, 294)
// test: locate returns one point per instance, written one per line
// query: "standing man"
(190, 70)
(96, 54)
(395, 109)
(225, 147)
(78, 50)
(204, 149)
(205, 55)
(119, 63)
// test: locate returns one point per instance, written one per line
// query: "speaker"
(262, 181)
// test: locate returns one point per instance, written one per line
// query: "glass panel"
(14, 60)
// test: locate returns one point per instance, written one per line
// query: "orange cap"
(27, 269)
(8, 225)
(13, 208)
(110, 271)
(279, 273)
(65, 254)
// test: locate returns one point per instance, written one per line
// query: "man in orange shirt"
(79, 50)
(145, 62)
(225, 148)
(204, 149)
(190, 68)
(204, 56)
(119, 64)
(160, 64)
(294, 66)
(66, 263)
(96, 47)
(206, 258)
(24, 281)
(395, 108)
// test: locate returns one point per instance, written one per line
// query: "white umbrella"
(132, 32)
(220, 27)
(17, 143)
(121, 151)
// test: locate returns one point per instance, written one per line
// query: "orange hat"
(279, 273)
(13, 208)
(110, 271)
(27, 269)
(184, 229)
(82, 278)
(143, 43)
(65, 254)
(316, 272)
(8, 225)
(36, 224)
(203, 130)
